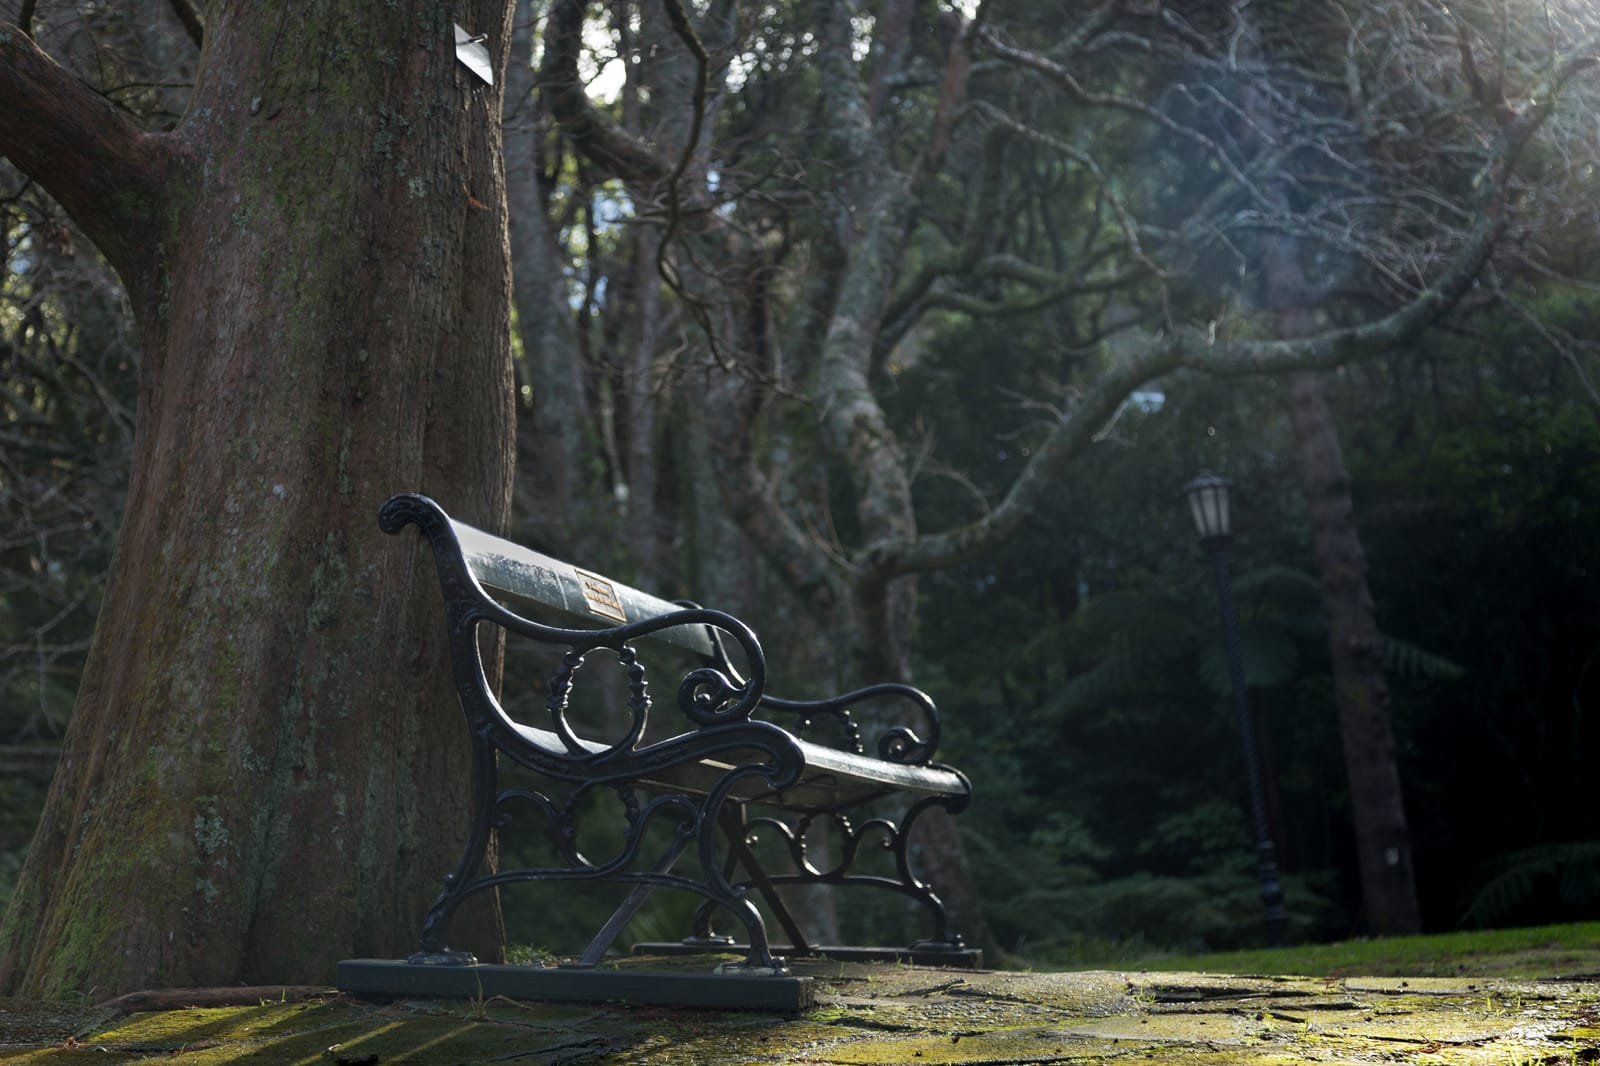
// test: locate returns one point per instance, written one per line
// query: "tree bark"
(263, 768)
(1383, 842)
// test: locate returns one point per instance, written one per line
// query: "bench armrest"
(897, 743)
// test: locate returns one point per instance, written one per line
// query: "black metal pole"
(1277, 920)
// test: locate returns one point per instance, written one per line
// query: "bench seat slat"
(834, 779)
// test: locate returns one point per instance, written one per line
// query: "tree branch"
(601, 140)
(105, 171)
(807, 568)
(190, 17)
(1074, 432)
(977, 230)
(1064, 77)
(1563, 345)
(680, 25)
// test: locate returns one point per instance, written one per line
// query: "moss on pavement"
(874, 1014)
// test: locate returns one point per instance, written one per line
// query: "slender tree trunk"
(1383, 842)
(643, 526)
(1365, 727)
(552, 431)
(265, 767)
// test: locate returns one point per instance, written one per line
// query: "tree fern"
(1287, 586)
(1267, 653)
(1572, 869)
(1112, 676)
(1129, 639)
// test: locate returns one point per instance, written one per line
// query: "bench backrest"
(566, 595)
(513, 586)
(545, 589)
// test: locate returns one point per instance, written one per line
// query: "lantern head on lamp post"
(1209, 505)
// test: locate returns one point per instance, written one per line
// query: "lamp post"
(1208, 502)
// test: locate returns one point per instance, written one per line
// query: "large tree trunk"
(261, 775)
(1383, 842)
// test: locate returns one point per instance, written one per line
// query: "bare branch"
(1562, 343)
(1125, 220)
(806, 563)
(1063, 77)
(680, 25)
(977, 228)
(1074, 432)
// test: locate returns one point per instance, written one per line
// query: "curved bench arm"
(899, 743)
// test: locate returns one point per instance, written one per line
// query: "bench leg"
(630, 907)
(701, 934)
(737, 832)
(458, 885)
(943, 939)
(721, 812)
(734, 831)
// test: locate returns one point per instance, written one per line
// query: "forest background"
(897, 328)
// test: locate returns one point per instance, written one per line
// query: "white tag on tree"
(474, 55)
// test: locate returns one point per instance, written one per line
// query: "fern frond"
(1114, 675)
(1286, 586)
(1404, 659)
(1157, 618)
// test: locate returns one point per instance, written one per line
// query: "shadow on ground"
(872, 1014)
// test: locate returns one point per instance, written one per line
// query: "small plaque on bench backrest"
(600, 596)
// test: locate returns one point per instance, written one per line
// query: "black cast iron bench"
(722, 774)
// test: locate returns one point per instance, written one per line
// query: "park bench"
(724, 770)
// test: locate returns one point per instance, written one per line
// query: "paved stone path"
(874, 1014)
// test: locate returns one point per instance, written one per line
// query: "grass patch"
(1547, 951)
